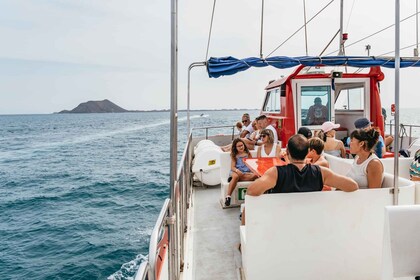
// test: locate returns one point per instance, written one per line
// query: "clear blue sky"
(57, 54)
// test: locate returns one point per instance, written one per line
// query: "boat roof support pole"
(397, 98)
(341, 49)
(262, 29)
(173, 254)
(192, 65)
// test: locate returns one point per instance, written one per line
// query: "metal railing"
(207, 128)
(183, 190)
(405, 132)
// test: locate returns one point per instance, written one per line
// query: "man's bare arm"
(264, 183)
(337, 181)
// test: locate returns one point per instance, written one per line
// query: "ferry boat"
(367, 234)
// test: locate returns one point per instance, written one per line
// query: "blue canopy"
(229, 65)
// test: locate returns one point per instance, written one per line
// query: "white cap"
(327, 126)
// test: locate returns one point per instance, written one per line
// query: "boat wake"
(128, 270)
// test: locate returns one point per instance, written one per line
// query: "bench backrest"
(318, 235)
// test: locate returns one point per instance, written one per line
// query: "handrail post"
(397, 96)
(192, 65)
(172, 256)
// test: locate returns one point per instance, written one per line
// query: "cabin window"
(272, 101)
(350, 99)
(315, 104)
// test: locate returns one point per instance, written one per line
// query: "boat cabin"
(311, 96)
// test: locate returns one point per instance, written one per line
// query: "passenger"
(305, 132)
(256, 134)
(262, 123)
(239, 127)
(246, 120)
(298, 176)
(268, 147)
(364, 123)
(317, 113)
(239, 171)
(388, 138)
(367, 170)
(332, 146)
(415, 167)
(316, 147)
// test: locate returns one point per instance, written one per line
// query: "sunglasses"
(263, 135)
(245, 121)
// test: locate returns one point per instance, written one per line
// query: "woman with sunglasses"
(268, 147)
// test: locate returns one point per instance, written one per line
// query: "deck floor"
(216, 237)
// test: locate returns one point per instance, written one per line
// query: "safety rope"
(211, 27)
(299, 29)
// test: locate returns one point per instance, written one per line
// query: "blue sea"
(80, 193)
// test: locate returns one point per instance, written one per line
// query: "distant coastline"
(106, 106)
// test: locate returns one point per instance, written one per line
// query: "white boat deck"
(216, 237)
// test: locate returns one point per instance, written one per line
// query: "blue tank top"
(240, 164)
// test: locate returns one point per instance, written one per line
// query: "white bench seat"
(317, 235)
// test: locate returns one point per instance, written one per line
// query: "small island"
(104, 106)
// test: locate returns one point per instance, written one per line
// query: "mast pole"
(173, 253)
(397, 98)
(306, 31)
(262, 28)
(341, 41)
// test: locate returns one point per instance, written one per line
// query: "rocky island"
(104, 106)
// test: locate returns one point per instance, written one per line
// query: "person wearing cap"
(415, 167)
(317, 113)
(305, 132)
(364, 123)
(332, 146)
(367, 170)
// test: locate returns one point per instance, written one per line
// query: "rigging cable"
(299, 29)
(211, 27)
(351, 12)
(383, 29)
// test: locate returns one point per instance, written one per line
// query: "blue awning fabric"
(229, 65)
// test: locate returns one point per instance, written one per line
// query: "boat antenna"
(397, 97)
(211, 27)
(262, 28)
(306, 31)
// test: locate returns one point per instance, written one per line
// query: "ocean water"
(79, 194)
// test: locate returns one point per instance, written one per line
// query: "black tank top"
(291, 179)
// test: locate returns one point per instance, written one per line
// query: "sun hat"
(362, 123)
(327, 126)
(305, 132)
(415, 165)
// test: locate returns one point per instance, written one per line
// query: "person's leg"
(248, 177)
(388, 140)
(232, 183)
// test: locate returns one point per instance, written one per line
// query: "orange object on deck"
(260, 165)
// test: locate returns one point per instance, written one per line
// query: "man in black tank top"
(298, 176)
